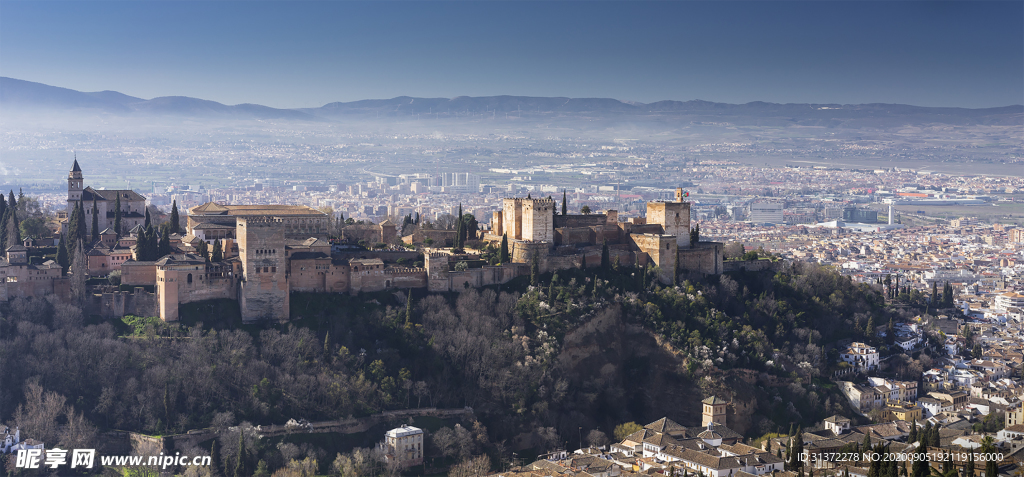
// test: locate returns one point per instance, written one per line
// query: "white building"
(12, 443)
(404, 444)
(861, 356)
(766, 212)
(1009, 300)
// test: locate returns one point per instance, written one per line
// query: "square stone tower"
(539, 220)
(263, 293)
(674, 217)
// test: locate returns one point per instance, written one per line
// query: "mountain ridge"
(21, 94)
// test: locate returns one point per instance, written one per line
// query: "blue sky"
(304, 54)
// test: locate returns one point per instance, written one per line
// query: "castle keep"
(270, 251)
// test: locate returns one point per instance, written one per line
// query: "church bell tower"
(75, 183)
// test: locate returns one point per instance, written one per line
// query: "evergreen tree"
(503, 252)
(62, 256)
(149, 221)
(154, 243)
(175, 224)
(605, 260)
(204, 250)
(141, 245)
(72, 227)
(217, 254)
(79, 269)
(534, 268)
(13, 227)
(920, 466)
(261, 469)
(867, 443)
(695, 235)
(991, 468)
(913, 431)
(969, 467)
(408, 309)
(564, 204)
(165, 243)
(459, 232)
(797, 449)
(869, 330)
(551, 291)
(3, 206)
(95, 221)
(213, 458)
(117, 215)
(934, 438)
(240, 458)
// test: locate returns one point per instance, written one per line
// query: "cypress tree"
(165, 243)
(82, 232)
(72, 227)
(605, 260)
(798, 448)
(920, 466)
(534, 268)
(564, 204)
(13, 228)
(117, 215)
(217, 254)
(695, 235)
(239, 467)
(153, 243)
(95, 221)
(62, 256)
(408, 308)
(3, 206)
(460, 232)
(913, 431)
(503, 252)
(551, 291)
(869, 330)
(141, 244)
(991, 468)
(175, 224)
(204, 250)
(213, 458)
(969, 468)
(148, 220)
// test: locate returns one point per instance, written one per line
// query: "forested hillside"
(537, 359)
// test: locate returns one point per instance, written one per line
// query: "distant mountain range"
(18, 94)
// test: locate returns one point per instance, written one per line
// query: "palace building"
(272, 251)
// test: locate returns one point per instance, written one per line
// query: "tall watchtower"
(264, 293)
(75, 181)
(674, 217)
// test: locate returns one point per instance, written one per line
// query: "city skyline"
(298, 54)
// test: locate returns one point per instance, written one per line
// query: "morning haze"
(512, 239)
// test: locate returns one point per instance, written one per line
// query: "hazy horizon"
(307, 54)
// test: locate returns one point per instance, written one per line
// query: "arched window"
(189, 278)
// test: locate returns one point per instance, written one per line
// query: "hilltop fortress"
(270, 251)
